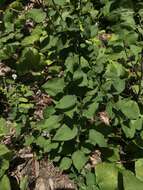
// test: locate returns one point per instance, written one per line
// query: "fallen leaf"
(104, 118)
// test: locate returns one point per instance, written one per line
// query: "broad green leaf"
(107, 176)
(50, 147)
(16, 5)
(129, 108)
(79, 159)
(60, 2)
(70, 113)
(130, 181)
(84, 82)
(54, 86)
(90, 112)
(65, 133)
(52, 122)
(84, 62)
(30, 40)
(8, 20)
(3, 127)
(139, 169)
(97, 138)
(29, 140)
(42, 142)
(4, 165)
(119, 85)
(65, 163)
(24, 183)
(29, 60)
(106, 8)
(38, 15)
(3, 150)
(78, 75)
(45, 144)
(115, 155)
(25, 106)
(129, 131)
(4, 183)
(137, 124)
(67, 102)
(48, 111)
(90, 179)
(114, 70)
(71, 62)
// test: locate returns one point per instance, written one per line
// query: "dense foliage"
(86, 59)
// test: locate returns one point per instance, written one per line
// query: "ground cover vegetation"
(71, 78)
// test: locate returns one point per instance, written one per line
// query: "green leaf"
(114, 70)
(90, 179)
(8, 20)
(97, 138)
(4, 165)
(65, 163)
(119, 85)
(30, 40)
(90, 112)
(137, 124)
(107, 176)
(78, 75)
(139, 169)
(24, 183)
(29, 60)
(3, 129)
(129, 108)
(29, 140)
(70, 113)
(60, 2)
(130, 181)
(67, 102)
(37, 15)
(4, 183)
(54, 86)
(79, 159)
(42, 142)
(65, 133)
(129, 131)
(48, 111)
(52, 122)
(3, 150)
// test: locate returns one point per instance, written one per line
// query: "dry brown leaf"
(42, 175)
(105, 37)
(95, 158)
(4, 69)
(104, 118)
(42, 100)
